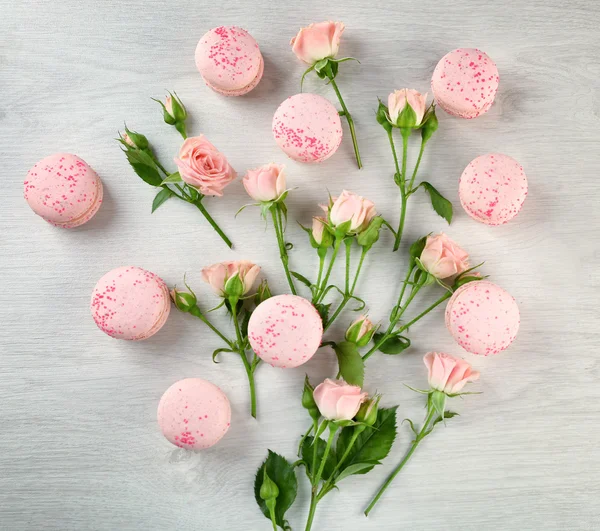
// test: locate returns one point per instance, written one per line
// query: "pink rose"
(338, 400)
(204, 167)
(217, 275)
(318, 227)
(266, 183)
(318, 41)
(360, 331)
(447, 373)
(169, 105)
(127, 139)
(397, 101)
(443, 258)
(351, 207)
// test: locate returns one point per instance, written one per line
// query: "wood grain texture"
(79, 444)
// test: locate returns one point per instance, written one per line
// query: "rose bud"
(337, 400)
(368, 237)
(134, 140)
(320, 236)
(360, 331)
(383, 117)
(367, 414)
(183, 300)
(430, 126)
(175, 108)
(406, 108)
(203, 166)
(447, 373)
(266, 183)
(243, 273)
(318, 41)
(443, 258)
(350, 213)
(308, 400)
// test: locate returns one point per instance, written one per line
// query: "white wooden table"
(79, 444)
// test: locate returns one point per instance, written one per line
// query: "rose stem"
(278, 225)
(242, 353)
(350, 122)
(402, 185)
(209, 218)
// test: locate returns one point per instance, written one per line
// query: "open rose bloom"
(351, 207)
(203, 166)
(338, 400)
(266, 183)
(398, 99)
(318, 41)
(447, 373)
(217, 275)
(443, 258)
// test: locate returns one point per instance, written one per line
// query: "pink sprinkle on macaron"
(482, 317)
(130, 303)
(229, 60)
(194, 414)
(285, 331)
(307, 128)
(493, 188)
(465, 82)
(63, 190)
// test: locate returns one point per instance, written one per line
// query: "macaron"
(130, 303)
(482, 317)
(493, 188)
(465, 82)
(229, 60)
(63, 190)
(307, 128)
(194, 414)
(285, 331)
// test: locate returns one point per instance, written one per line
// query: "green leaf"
(392, 345)
(440, 204)
(173, 178)
(323, 310)
(447, 415)
(144, 166)
(319, 65)
(372, 445)
(357, 468)
(301, 278)
(307, 457)
(219, 351)
(160, 198)
(352, 366)
(283, 475)
(416, 249)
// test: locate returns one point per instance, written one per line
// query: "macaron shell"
(493, 188)
(130, 303)
(465, 82)
(285, 331)
(194, 414)
(64, 190)
(229, 60)
(307, 127)
(482, 317)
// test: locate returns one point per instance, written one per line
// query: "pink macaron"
(63, 190)
(465, 82)
(307, 128)
(194, 414)
(229, 60)
(285, 331)
(493, 188)
(482, 317)
(130, 303)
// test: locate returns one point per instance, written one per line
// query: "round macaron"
(194, 414)
(307, 128)
(493, 188)
(465, 82)
(63, 190)
(285, 331)
(482, 317)
(229, 60)
(130, 303)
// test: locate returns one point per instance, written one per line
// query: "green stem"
(402, 186)
(321, 264)
(414, 175)
(421, 435)
(446, 296)
(323, 285)
(332, 431)
(403, 289)
(180, 126)
(311, 512)
(242, 353)
(314, 426)
(279, 231)
(350, 122)
(348, 242)
(209, 218)
(272, 514)
(198, 313)
(329, 483)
